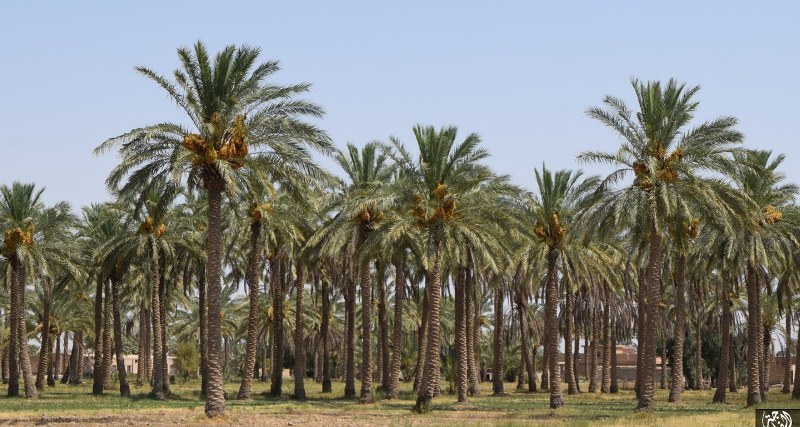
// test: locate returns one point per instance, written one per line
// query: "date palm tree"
(30, 247)
(443, 173)
(238, 120)
(765, 238)
(361, 209)
(667, 161)
(560, 198)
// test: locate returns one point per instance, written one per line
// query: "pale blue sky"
(521, 74)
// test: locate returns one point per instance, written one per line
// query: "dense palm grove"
(229, 248)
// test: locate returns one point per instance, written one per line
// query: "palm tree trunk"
(383, 322)
(13, 339)
(50, 361)
(97, 376)
(461, 334)
(545, 384)
(397, 327)
(299, 336)
(55, 366)
(732, 369)
(80, 366)
(64, 364)
(654, 262)
(605, 386)
(158, 343)
(350, 324)
(422, 338)
(162, 307)
(433, 345)
(725, 350)
(4, 349)
(251, 277)
(551, 329)
(498, 375)
(641, 329)
(592, 372)
(148, 346)
(203, 304)
(796, 389)
(476, 333)
(753, 338)
(787, 372)
(215, 395)
(614, 385)
(679, 279)
(765, 358)
(277, 282)
(46, 348)
(75, 365)
(586, 350)
(663, 382)
(124, 388)
(522, 311)
(532, 384)
(698, 359)
(264, 354)
(141, 369)
(575, 353)
(24, 357)
(324, 331)
(108, 344)
(472, 370)
(366, 334)
(569, 366)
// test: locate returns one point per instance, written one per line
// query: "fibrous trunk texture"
(215, 391)
(397, 328)
(428, 387)
(252, 279)
(679, 279)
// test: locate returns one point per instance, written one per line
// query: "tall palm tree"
(667, 161)
(361, 207)
(765, 238)
(444, 172)
(561, 196)
(238, 121)
(30, 246)
(56, 224)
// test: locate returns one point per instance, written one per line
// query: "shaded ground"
(66, 404)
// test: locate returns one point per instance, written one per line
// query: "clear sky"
(521, 74)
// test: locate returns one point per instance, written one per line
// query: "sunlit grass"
(66, 403)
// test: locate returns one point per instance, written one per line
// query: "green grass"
(65, 403)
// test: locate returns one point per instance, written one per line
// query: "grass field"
(66, 404)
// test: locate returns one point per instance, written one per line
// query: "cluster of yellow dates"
(148, 227)
(255, 210)
(445, 209)
(371, 215)
(692, 228)
(17, 236)
(232, 146)
(556, 229)
(667, 170)
(772, 214)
